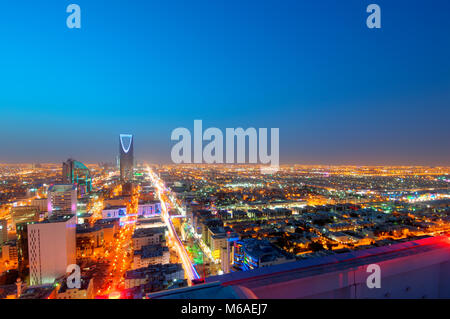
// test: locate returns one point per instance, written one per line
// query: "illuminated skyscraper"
(126, 157)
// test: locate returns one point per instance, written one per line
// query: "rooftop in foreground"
(415, 269)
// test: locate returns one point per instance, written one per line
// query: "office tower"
(75, 172)
(62, 199)
(126, 157)
(24, 214)
(3, 231)
(51, 248)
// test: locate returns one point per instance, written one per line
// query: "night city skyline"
(235, 158)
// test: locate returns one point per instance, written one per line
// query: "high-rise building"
(126, 156)
(3, 231)
(51, 248)
(62, 199)
(75, 172)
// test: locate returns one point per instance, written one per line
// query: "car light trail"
(162, 190)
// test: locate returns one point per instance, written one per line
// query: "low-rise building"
(24, 214)
(47, 291)
(121, 200)
(40, 203)
(151, 255)
(253, 253)
(51, 248)
(148, 236)
(89, 241)
(111, 212)
(9, 253)
(3, 231)
(149, 222)
(160, 272)
(149, 208)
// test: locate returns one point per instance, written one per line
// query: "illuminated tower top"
(126, 142)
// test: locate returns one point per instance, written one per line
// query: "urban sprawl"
(135, 228)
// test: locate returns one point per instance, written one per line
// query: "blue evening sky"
(339, 92)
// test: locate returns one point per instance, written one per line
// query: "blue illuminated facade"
(253, 253)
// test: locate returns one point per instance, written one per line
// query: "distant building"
(51, 248)
(409, 270)
(3, 231)
(126, 142)
(75, 172)
(89, 241)
(62, 199)
(151, 255)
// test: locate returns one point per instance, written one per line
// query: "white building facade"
(51, 248)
